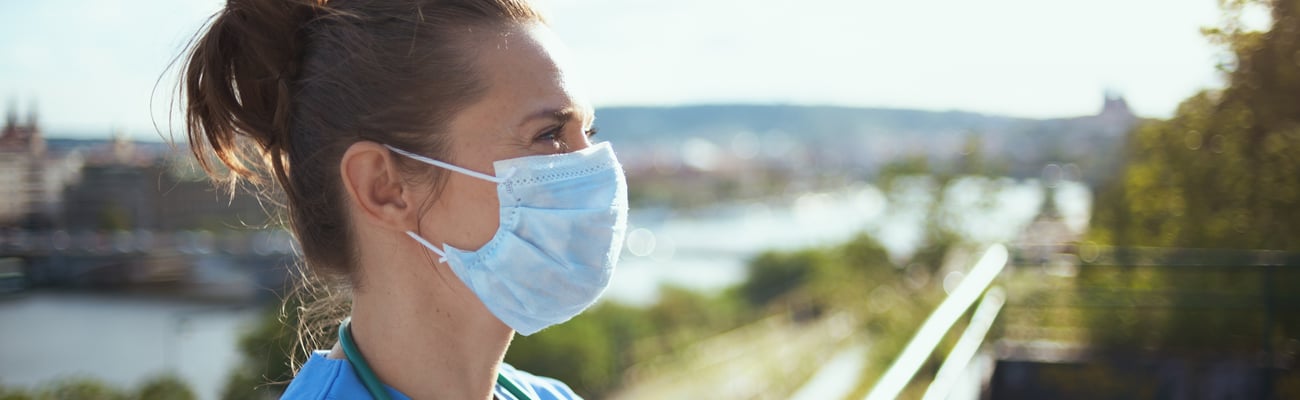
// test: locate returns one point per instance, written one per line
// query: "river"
(122, 340)
(708, 249)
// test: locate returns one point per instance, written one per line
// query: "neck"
(426, 335)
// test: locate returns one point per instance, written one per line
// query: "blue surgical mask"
(563, 217)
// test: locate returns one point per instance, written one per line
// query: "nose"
(578, 141)
(583, 142)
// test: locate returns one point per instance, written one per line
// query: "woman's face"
(531, 107)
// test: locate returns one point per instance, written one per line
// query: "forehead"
(527, 69)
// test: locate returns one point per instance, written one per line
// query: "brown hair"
(277, 90)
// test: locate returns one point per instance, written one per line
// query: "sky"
(91, 66)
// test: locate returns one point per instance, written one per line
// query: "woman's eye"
(550, 135)
(592, 131)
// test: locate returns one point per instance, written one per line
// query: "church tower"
(32, 124)
(1116, 117)
(1115, 105)
(22, 137)
(11, 118)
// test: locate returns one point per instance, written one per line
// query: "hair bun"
(239, 77)
(268, 31)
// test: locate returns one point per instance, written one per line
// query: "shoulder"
(314, 380)
(541, 388)
(322, 378)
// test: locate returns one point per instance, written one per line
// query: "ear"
(375, 187)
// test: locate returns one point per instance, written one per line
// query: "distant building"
(135, 186)
(96, 185)
(1048, 236)
(1116, 118)
(31, 179)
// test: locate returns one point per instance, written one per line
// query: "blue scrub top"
(324, 378)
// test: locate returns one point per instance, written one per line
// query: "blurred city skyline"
(91, 67)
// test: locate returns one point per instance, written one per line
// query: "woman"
(435, 156)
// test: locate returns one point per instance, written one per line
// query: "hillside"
(866, 138)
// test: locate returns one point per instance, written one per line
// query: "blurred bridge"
(236, 259)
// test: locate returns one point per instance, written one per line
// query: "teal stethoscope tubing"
(371, 381)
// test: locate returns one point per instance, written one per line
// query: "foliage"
(579, 352)
(891, 173)
(13, 393)
(267, 348)
(1220, 174)
(246, 385)
(82, 388)
(164, 387)
(857, 276)
(773, 274)
(591, 352)
(682, 316)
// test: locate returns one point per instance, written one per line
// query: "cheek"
(466, 215)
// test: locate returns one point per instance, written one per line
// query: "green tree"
(166, 387)
(579, 352)
(773, 274)
(1222, 173)
(82, 389)
(11, 393)
(269, 351)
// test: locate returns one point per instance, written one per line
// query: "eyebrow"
(554, 114)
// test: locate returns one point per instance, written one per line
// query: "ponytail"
(238, 97)
(237, 87)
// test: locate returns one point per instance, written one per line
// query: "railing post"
(969, 343)
(1270, 360)
(938, 323)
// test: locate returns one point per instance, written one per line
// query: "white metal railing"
(966, 346)
(940, 322)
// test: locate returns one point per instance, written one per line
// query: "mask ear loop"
(452, 167)
(441, 254)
